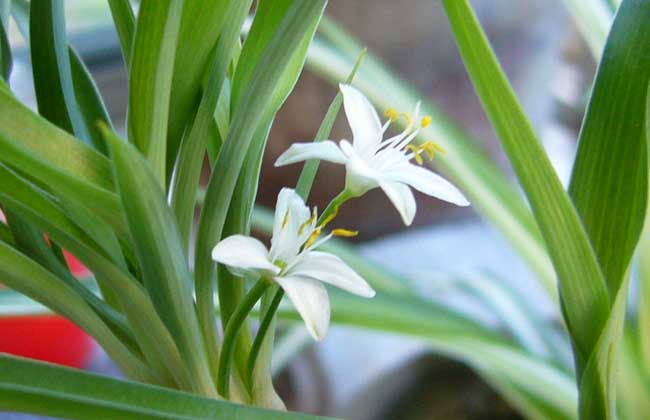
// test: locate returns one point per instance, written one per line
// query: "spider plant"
(126, 209)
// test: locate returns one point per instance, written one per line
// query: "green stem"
(335, 204)
(232, 330)
(261, 334)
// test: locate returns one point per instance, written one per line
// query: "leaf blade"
(150, 79)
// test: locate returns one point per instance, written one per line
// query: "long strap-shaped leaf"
(610, 184)
(102, 202)
(162, 260)
(124, 20)
(91, 105)
(45, 389)
(22, 274)
(201, 25)
(193, 148)
(51, 67)
(246, 121)
(582, 285)
(46, 141)
(609, 180)
(149, 331)
(6, 60)
(150, 79)
(190, 161)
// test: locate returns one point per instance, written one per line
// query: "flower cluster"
(371, 162)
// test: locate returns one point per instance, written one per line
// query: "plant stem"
(232, 330)
(261, 334)
(334, 205)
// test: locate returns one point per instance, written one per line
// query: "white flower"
(293, 263)
(372, 162)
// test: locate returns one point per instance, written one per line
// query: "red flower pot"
(50, 338)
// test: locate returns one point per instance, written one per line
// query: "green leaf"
(609, 183)
(201, 26)
(452, 335)
(31, 241)
(46, 141)
(89, 100)
(51, 68)
(644, 276)
(24, 275)
(582, 285)
(609, 180)
(192, 152)
(45, 389)
(124, 20)
(103, 203)
(150, 79)
(268, 18)
(5, 12)
(162, 261)
(152, 336)
(6, 60)
(241, 152)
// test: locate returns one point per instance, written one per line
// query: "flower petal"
(429, 183)
(285, 242)
(402, 198)
(359, 175)
(363, 119)
(311, 301)
(244, 253)
(323, 150)
(331, 269)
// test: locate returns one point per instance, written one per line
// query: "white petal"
(312, 302)
(331, 269)
(363, 119)
(244, 253)
(323, 150)
(285, 243)
(429, 183)
(402, 198)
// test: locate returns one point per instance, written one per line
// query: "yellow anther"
(392, 114)
(440, 148)
(417, 153)
(431, 147)
(285, 222)
(426, 121)
(345, 233)
(313, 237)
(308, 223)
(409, 118)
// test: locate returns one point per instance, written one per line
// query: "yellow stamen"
(308, 223)
(440, 148)
(409, 118)
(392, 114)
(285, 222)
(314, 236)
(417, 152)
(432, 148)
(345, 233)
(426, 121)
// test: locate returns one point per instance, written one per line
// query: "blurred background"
(550, 68)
